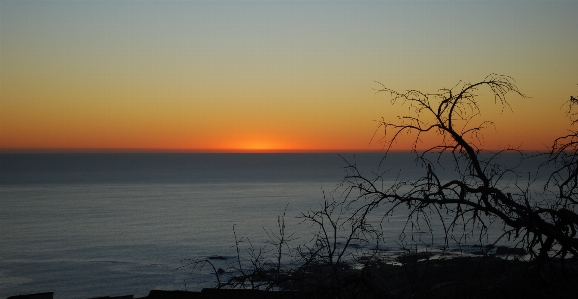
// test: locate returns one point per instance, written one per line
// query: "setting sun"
(257, 146)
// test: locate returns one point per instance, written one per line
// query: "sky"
(243, 76)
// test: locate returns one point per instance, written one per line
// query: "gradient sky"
(270, 75)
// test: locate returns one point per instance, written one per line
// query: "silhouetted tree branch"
(476, 196)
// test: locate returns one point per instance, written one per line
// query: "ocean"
(97, 224)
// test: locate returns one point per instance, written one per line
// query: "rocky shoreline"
(420, 275)
(203, 294)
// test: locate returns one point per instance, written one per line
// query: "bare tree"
(477, 196)
(317, 268)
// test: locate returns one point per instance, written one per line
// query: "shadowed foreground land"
(416, 276)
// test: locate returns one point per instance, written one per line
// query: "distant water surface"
(88, 225)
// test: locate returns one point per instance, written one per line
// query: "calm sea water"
(88, 225)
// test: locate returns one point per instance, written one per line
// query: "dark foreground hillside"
(415, 276)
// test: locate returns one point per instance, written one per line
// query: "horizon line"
(176, 151)
(209, 151)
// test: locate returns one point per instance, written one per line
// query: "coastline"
(414, 275)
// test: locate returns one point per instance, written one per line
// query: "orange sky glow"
(280, 76)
